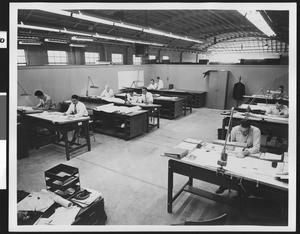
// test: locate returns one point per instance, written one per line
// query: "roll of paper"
(62, 201)
(58, 199)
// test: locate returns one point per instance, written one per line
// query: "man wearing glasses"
(244, 133)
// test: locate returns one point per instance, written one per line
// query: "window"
(117, 58)
(21, 60)
(56, 57)
(152, 57)
(91, 58)
(137, 60)
(165, 58)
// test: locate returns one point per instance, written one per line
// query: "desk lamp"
(223, 160)
(24, 92)
(269, 91)
(92, 86)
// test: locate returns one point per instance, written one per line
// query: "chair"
(263, 212)
(220, 220)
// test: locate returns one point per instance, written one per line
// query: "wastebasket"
(220, 135)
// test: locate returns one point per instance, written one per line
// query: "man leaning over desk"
(244, 133)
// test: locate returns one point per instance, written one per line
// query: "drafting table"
(57, 122)
(274, 126)
(259, 98)
(253, 175)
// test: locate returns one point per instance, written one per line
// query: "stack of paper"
(61, 216)
(89, 200)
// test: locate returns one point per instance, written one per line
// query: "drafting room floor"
(132, 175)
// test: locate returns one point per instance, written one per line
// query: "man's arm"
(256, 142)
(69, 109)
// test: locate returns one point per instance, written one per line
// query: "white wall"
(60, 82)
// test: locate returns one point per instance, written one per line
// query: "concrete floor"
(132, 175)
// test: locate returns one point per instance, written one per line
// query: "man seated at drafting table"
(146, 97)
(244, 133)
(131, 97)
(107, 92)
(45, 102)
(281, 111)
(279, 93)
(152, 85)
(76, 109)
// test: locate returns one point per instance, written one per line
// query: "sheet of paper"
(194, 141)
(186, 145)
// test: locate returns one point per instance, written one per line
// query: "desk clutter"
(63, 202)
(271, 165)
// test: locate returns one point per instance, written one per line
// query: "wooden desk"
(153, 109)
(267, 125)
(170, 107)
(125, 126)
(56, 122)
(263, 186)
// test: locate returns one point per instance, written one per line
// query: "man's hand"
(243, 154)
(240, 155)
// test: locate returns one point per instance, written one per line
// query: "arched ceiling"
(213, 27)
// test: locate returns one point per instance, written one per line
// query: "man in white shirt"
(280, 110)
(244, 133)
(131, 97)
(160, 83)
(76, 109)
(107, 92)
(152, 85)
(146, 96)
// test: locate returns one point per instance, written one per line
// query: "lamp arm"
(87, 87)
(91, 81)
(22, 88)
(229, 129)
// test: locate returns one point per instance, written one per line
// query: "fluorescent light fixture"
(29, 43)
(38, 28)
(74, 32)
(156, 44)
(79, 15)
(77, 45)
(91, 18)
(126, 40)
(81, 39)
(104, 37)
(129, 26)
(156, 32)
(27, 38)
(256, 18)
(56, 41)
(59, 12)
